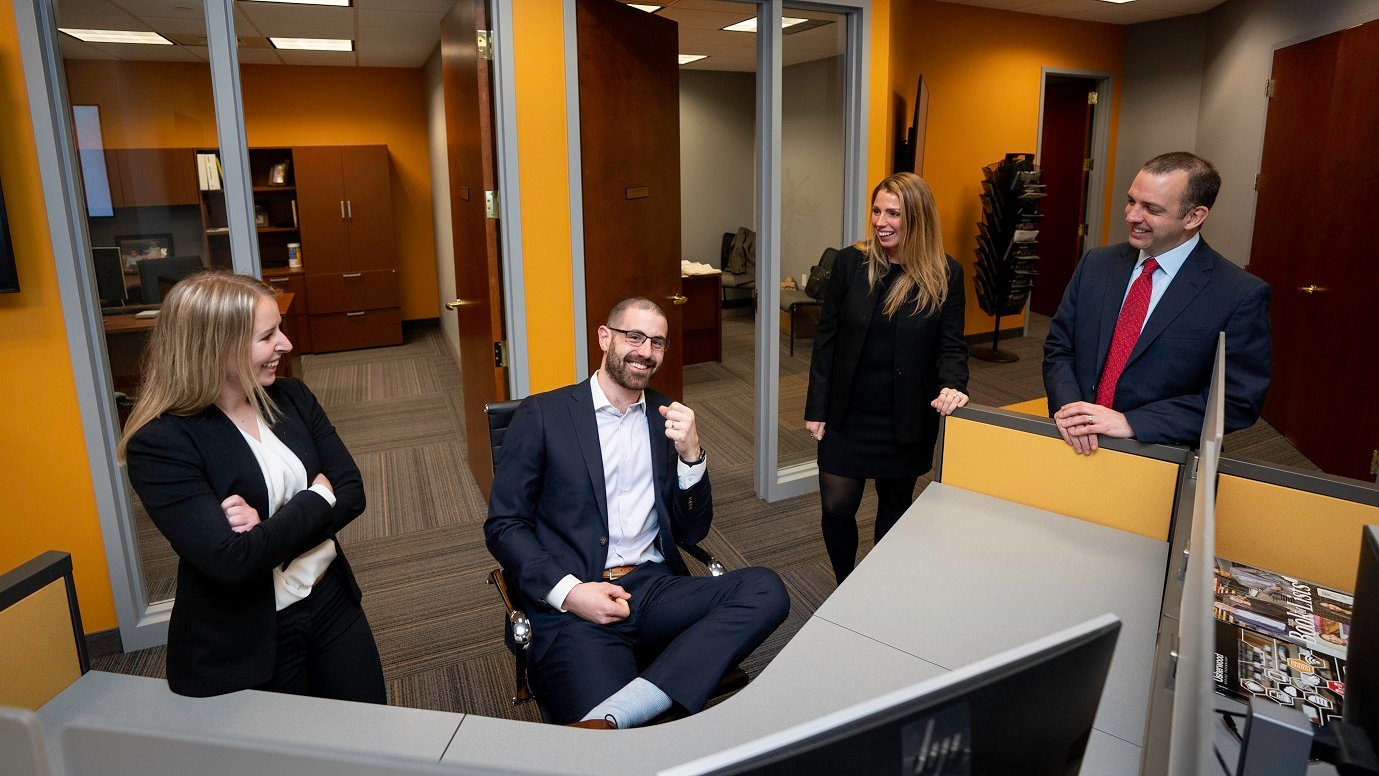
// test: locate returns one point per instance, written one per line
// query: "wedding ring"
(1090, 419)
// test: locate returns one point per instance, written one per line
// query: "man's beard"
(622, 375)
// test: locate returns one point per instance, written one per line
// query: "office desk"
(981, 575)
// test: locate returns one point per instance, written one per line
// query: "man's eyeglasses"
(636, 338)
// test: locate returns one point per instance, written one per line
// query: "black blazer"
(1163, 390)
(930, 352)
(223, 632)
(548, 510)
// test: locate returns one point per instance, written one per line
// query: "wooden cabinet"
(701, 326)
(296, 322)
(345, 208)
(149, 177)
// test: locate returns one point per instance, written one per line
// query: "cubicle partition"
(42, 646)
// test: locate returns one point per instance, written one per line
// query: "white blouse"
(286, 477)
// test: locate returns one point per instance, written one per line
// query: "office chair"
(793, 302)
(158, 276)
(737, 258)
(517, 630)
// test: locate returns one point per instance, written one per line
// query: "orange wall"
(165, 105)
(47, 501)
(983, 70)
(544, 184)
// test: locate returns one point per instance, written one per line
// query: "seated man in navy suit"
(1131, 348)
(596, 484)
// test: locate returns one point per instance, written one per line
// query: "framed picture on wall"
(277, 174)
(9, 275)
(135, 248)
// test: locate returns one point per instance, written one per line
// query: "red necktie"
(1128, 327)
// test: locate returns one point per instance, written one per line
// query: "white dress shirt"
(285, 476)
(1169, 264)
(625, 443)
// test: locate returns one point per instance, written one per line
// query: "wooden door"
(366, 174)
(1067, 134)
(321, 209)
(1312, 243)
(629, 124)
(467, 82)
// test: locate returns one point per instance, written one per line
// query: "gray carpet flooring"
(418, 549)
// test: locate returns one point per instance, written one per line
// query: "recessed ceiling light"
(685, 59)
(312, 44)
(341, 3)
(750, 25)
(117, 36)
(1117, 2)
(645, 7)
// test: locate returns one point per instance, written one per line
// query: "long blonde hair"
(920, 252)
(205, 324)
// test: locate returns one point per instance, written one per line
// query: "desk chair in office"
(737, 258)
(158, 276)
(793, 302)
(518, 629)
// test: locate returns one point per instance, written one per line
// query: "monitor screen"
(1362, 654)
(109, 275)
(1026, 710)
(9, 276)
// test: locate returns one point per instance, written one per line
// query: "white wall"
(717, 115)
(812, 153)
(1240, 37)
(440, 198)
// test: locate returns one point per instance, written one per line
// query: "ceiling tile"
(441, 7)
(249, 56)
(419, 20)
(300, 21)
(329, 58)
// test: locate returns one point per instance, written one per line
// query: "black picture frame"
(9, 273)
(135, 247)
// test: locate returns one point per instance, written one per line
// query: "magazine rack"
(1006, 243)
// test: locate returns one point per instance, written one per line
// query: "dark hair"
(637, 302)
(1203, 181)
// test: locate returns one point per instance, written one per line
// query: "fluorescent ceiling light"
(685, 59)
(1117, 2)
(647, 8)
(117, 36)
(312, 44)
(341, 3)
(750, 25)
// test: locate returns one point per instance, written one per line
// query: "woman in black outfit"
(889, 346)
(246, 477)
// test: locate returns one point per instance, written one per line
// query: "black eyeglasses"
(636, 338)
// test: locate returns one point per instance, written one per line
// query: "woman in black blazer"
(889, 346)
(246, 477)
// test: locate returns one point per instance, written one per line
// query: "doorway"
(1067, 122)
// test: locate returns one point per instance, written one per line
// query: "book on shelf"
(1282, 638)
(208, 171)
(294, 214)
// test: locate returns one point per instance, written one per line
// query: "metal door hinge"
(1270, 86)
(1091, 98)
(1081, 230)
(491, 204)
(1374, 462)
(1256, 181)
(500, 354)
(1088, 164)
(485, 45)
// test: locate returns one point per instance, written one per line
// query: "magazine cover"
(1249, 663)
(1295, 610)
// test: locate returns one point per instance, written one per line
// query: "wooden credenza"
(702, 318)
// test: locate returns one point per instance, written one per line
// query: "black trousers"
(840, 497)
(682, 635)
(325, 647)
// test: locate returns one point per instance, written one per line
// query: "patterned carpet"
(418, 549)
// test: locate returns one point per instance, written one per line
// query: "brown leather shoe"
(593, 724)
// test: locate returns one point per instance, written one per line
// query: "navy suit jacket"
(223, 633)
(1163, 390)
(548, 509)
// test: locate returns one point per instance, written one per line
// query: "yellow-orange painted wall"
(983, 70)
(46, 500)
(544, 185)
(168, 105)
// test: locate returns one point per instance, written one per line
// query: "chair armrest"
(517, 619)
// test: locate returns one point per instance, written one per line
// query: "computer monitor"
(158, 276)
(109, 276)
(1027, 710)
(1362, 654)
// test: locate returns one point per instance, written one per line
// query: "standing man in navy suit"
(596, 484)
(1131, 348)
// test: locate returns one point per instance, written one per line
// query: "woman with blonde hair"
(889, 346)
(246, 477)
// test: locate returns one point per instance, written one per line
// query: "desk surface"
(985, 575)
(125, 324)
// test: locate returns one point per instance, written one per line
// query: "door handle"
(349, 208)
(455, 304)
(351, 275)
(1311, 290)
(342, 210)
(354, 315)
(679, 299)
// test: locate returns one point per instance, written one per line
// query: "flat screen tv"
(9, 277)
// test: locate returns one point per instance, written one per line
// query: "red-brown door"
(629, 124)
(469, 145)
(1065, 148)
(1313, 244)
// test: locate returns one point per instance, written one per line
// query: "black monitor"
(1362, 654)
(109, 276)
(1026, 710)
(158, 276)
